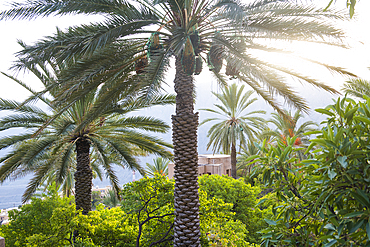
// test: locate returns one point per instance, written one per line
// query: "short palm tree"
(235, 126)
(111, 199)
(245, 165)
(160, 166)
(191, 31)
(289, 128)
(63, 146)
(357, 88)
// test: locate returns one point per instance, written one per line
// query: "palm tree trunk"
(233, 160)
(83, 176)
(184, 137)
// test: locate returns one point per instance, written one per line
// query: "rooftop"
(210, 156)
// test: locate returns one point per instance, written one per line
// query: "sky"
(356, 59)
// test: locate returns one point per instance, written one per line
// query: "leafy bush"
(145, 217)
(51, 217)
(110, 227)
(52, 221)
(326, 199)
(242, 197)
(150, 201)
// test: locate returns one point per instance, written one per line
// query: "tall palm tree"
(64, 146)
(160, 166)
(192, 31)
(234, 123)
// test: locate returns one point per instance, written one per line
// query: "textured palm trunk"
(184, 137)
(83, 176)
(233, 161)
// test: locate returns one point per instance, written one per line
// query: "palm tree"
(111, 199)
(245, 165)
(160, 166)
(192, 31)
(357, 88)
(234, 124)
(289, 128)
(48, 151)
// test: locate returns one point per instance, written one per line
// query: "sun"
(305, 58)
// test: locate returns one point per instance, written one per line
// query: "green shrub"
(51, 217)
(150, 200)
(325, 200)
(111, 227)
(242, 197)
(145, 217)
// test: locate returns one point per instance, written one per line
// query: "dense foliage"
(40, 218)
(242, 197)
(324, 200)
(228, 213)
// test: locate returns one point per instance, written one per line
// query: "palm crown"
(49, 150)
(235, 123)
(289, 128)
(160, 166)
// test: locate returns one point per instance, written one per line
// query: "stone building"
(103, 191)
(209, 164)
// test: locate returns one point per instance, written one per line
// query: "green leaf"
(362, 119)
(329, 227)
(271, 222)
(267, 242)
(353, 214)
(363, 194)
(331, 174)
(269, 235)
(340, 228)
(262, 201)
(368, 229)
(326, 8)
(326, 112)
(352, 8)
(331, 243)
(355, 227)
(360, 199)
(333, 220)
(252, 157)
(343, 161)
(349, 114)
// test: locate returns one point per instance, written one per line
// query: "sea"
(11, 191)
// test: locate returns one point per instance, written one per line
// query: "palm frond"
(36, 181)
(357, 88)
(107, 165)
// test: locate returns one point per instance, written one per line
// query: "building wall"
(103, 191)
(2, 242)
(209, 164)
